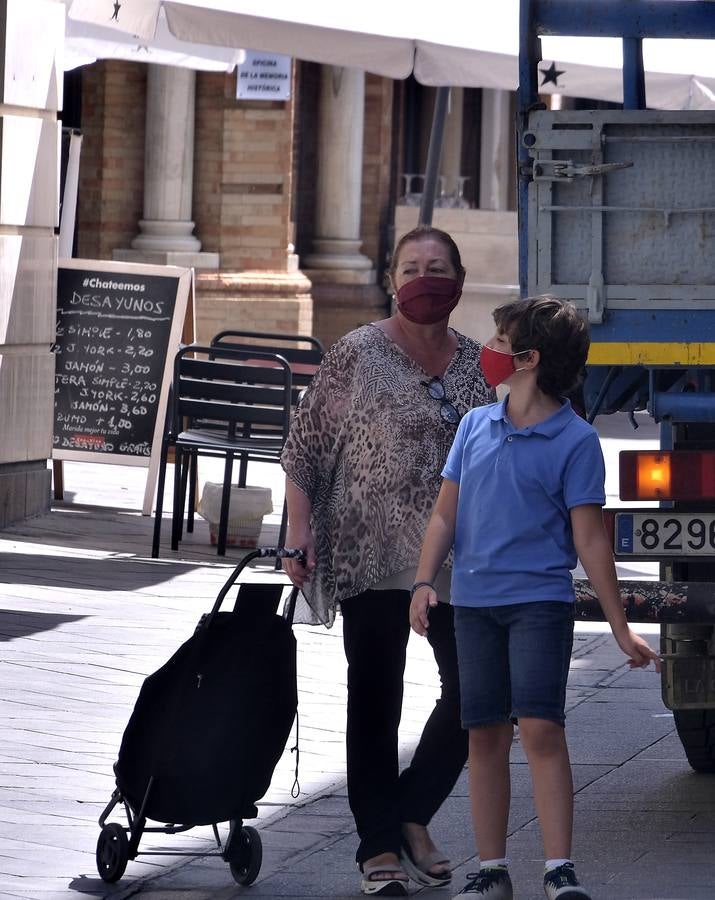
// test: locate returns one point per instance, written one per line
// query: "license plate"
(664, 533)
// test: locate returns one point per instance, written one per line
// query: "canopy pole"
(429, 191)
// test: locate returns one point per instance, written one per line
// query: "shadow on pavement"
(103, 574)
(85, 885)
(19, 623)
(121, 531)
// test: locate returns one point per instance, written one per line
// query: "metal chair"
(232, 404)
(303, 352)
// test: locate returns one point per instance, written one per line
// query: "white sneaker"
(491, 884)
(561, 883)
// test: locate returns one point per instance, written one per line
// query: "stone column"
(497, 129)
(336, 253)
(166, 231)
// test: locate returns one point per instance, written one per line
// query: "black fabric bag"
(211, 724)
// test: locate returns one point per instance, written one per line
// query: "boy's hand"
(638, 650)
(423, 598)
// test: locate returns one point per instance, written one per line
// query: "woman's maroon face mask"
(428, 299)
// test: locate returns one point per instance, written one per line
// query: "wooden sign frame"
(184, 300)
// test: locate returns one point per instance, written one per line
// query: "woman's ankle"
(420, 844)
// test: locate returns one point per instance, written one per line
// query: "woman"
(363, 464)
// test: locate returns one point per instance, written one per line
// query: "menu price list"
(111, 346)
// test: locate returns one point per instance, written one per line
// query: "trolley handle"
(259, 553)
(282, 553)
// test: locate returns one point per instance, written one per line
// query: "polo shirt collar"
(549, 427)
(497, 411)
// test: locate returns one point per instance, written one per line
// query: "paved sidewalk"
(86, 615)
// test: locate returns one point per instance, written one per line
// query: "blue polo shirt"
(513, 539)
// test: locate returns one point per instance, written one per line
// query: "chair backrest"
(303, 352)
(231, 390)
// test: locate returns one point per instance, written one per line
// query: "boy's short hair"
(557, 330)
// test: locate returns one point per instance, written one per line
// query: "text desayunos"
(118, 304)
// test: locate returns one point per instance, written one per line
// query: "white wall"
(30, 95)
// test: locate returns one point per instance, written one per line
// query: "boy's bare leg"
(545, 745)
(490, 786)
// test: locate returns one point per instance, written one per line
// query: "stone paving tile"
(190, 894)
(87, 616)
(25, 860)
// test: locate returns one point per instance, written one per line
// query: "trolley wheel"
(248, 857)
(112, 852)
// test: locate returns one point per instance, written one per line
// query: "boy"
(521, 499)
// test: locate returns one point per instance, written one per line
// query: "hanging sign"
(263, 76)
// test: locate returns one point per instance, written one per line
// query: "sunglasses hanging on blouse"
(447, 410)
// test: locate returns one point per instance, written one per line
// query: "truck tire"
(695, 727)
(696, 730)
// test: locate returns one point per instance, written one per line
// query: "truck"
(617, 213)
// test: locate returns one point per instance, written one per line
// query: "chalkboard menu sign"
(118, 328)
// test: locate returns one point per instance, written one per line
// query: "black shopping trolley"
(208, 729)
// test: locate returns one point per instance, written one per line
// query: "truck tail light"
(667, 474)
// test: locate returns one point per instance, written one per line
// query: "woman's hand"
(298, 535)
(422, 599)
(300, 539)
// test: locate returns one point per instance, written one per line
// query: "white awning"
(452, 43)
(86, 42)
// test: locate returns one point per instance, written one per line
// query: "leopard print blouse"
(367, 446)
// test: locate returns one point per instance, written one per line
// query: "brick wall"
(253, 314)
(111, 192)
(208, 158)
(338, 308)
(242, 176)
(253, 192)
(242, 168)
(377, 172)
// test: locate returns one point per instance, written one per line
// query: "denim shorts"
(513, 661)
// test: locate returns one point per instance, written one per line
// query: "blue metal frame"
(614, 387)
(631, 20)
(633, 74)
(625, 18)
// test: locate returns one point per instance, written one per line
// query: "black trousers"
(375, 633)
